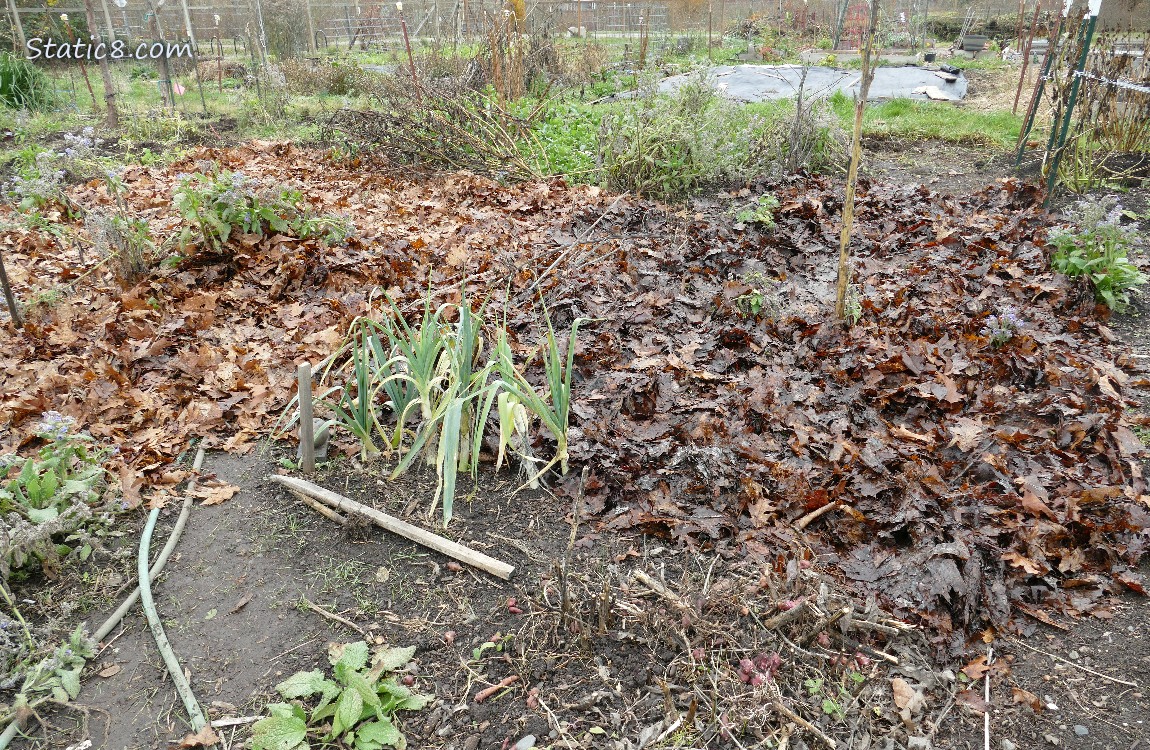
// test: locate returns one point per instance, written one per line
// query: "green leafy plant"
(1097, 248)
(761, 211)
(24, 85)
(432, 377)
(442, 366)
(65, 468)
(216, 206)
(760, 298)
(552, 404)
(355, 707)
(52, 493)
(39, 676)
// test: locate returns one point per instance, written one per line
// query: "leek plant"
(433, 376)
(552, 405)
(447, 387)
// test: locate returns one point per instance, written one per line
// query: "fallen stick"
(320, 508)
(776, 700)
(235, 722)
(822, 625)
(396, 526)
(333, 616)
(658, 588)
(486, 693)
(875, 626)
(786, 616)
(816, 514)
(1079, 666)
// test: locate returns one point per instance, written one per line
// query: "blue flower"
(54, 426)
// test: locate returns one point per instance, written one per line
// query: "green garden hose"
(195, 713)
(157, 567)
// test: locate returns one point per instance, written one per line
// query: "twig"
(1073, 664)
(239, 720)
(658, 588)
(333, 616)
(816, 514)
(320, 508)
(823, 624)
(986, 698)
(786, 617)
(776, 700)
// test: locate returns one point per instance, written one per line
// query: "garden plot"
(959, 455)
(757, 83)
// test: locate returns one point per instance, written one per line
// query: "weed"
(761, 211)
(671, 146)
(1142, 433)
(23, 85)
(1098, 247)
(761, 297)
(357, 706)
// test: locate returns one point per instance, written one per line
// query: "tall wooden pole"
(105, 72)
(13, 308)
(108, 20)
(310, 27)
(166, 91)
(19, 26)
(844, 278)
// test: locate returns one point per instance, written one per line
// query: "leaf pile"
(970, 481)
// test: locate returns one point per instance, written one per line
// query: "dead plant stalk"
(844, 276)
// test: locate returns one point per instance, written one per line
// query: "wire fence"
(293, 26)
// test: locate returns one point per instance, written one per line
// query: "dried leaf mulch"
(965, 484)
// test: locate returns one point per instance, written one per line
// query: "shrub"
(335, 77)
(23, 85)
(1098, 247)
(671, 146)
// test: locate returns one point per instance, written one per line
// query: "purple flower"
(1002, 327)
(54, 426)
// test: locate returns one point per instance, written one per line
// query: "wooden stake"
(306, 426)
(13, 308)
(19, 26)
(844, 279)
(105, 72)
(310, 27)
(397, 526)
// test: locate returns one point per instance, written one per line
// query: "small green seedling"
(356, 708)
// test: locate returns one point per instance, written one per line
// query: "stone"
(1007, 745)
(1080, 730)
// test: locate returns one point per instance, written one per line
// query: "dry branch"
(397, 526)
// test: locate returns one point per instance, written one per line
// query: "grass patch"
(908, 118)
